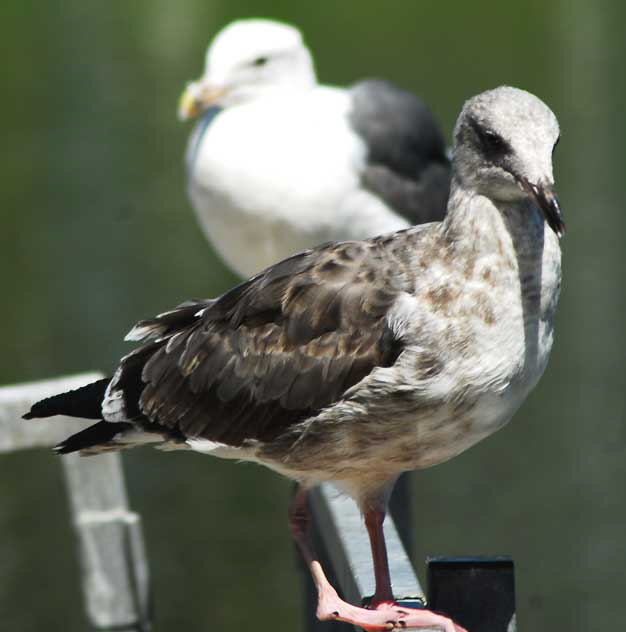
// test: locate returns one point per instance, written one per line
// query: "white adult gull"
(285, 164)
(356, 361)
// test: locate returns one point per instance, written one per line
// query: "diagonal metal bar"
(341, 527)
(344, 549)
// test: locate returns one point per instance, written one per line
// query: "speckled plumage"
(472, 351)
(356, 361)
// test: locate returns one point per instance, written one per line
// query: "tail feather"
(84, 402)
(93, 439)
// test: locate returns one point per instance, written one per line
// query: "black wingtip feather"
(99, 434)
(84, 402)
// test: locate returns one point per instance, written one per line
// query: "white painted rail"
(343, 546)
(114, 566)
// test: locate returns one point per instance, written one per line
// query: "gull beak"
(548, 203)
(197, 97)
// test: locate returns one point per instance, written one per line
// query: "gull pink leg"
(385, 614)
(383, 594)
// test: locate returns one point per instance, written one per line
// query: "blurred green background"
(96, 233)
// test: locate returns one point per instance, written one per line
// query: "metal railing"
(476, 591)
(344, 550)
(114, 564)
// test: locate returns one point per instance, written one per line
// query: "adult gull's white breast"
(287, 163)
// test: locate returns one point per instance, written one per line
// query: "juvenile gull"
(356, 361)
(283, 163)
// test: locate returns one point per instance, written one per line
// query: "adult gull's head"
(248, 59)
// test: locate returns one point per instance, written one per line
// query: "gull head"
(503, 145)
(248, 59)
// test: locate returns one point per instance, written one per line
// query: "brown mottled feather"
(272, 351)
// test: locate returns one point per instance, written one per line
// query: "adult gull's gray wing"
(407, 165)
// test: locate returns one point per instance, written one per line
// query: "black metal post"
(476, 592)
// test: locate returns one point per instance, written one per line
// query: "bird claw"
(385, 616)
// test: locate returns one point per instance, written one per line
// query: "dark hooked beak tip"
(548, 203)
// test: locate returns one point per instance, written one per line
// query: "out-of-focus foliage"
(97, 233)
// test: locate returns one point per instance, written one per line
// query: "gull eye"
(493, 143)
(260, 61)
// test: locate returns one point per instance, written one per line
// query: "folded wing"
(269, 353)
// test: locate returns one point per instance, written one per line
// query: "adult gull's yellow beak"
(197, 97)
